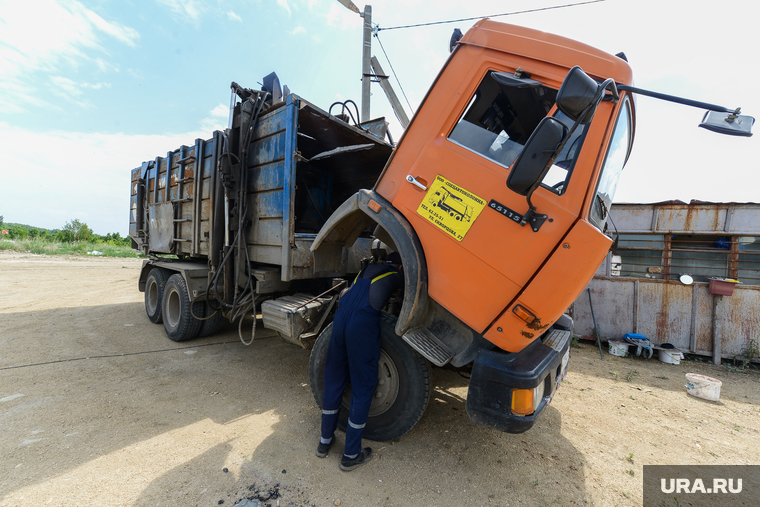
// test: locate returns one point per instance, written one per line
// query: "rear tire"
(154, 294)
(179, 323)
(209, 326)
(405, 391)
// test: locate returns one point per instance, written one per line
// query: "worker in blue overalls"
(353, 354)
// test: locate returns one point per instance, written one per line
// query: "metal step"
(426, 343)
(556, 339)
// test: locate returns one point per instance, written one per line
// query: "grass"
(45, 247)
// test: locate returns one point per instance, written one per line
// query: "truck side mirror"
(536, 156)
(577, 93)
(732, 124)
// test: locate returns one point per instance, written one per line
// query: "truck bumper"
(496, 374)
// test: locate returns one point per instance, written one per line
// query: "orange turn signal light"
(524, 314)
(522, 401)
(374, 206)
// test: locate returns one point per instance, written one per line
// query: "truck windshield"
(617, 156)
(499, 120)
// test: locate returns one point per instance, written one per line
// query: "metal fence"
(638, 289)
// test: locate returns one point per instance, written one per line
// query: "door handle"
(414, 182)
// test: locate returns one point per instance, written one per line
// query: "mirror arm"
(609, 84)
(678, 100)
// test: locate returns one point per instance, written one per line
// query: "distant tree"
(1, 220)
(17, 232)
(75, 231)
(34, 232)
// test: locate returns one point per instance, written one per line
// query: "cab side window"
(499, 120)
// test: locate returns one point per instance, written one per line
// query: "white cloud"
(234, 17)
(340, 17)
(48, 36)
(284, 4)
(297, 30)
(72, 90)
(84, 175)
(218, 119)
(188, 10)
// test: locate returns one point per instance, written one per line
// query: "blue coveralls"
(354, 352)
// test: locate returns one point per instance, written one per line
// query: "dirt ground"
(98, 407)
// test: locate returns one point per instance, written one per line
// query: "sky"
(91, 89)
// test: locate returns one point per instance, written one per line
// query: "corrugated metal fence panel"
(697, 218)
(669, 312)
(664, 312)
(613, 308)
(703, 320)
(740, 321)
(690, 219)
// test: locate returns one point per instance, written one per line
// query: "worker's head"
(394, 259)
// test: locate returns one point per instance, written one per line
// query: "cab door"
(454, 191)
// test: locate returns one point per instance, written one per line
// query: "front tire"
(403, 388)
(154, 294)
(179, 323)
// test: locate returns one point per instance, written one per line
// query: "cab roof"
(547, 47)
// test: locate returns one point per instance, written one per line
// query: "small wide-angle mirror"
(731, 124)
(534, 160)
(686, 279)
(576, 94)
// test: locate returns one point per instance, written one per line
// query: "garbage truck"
(496, 196)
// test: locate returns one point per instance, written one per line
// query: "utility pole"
(366, 56)
(371, 68)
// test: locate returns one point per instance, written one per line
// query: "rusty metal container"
(722, 287)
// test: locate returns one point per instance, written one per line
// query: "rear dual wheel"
(164, 300)
(154, 294)
(179, 323)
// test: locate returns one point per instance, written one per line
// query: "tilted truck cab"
(496, 197)
(508, 284)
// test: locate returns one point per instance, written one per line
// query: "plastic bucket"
(618, 349)
(704, 387)
(670, 356)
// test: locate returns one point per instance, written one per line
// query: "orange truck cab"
(501, 239)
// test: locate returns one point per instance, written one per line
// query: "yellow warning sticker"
(450, 207)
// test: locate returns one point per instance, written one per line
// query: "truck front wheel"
(154, 294)
(403, 386)
(179, 323)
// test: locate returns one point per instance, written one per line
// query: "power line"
(394, 73)
(491, 16)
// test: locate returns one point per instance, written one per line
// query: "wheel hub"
(172, 308)
(387, 388)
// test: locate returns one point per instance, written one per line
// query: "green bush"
(46, 247)
(16, 232)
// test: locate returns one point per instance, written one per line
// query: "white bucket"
(704, 387)
(618, 349)
(670, 356)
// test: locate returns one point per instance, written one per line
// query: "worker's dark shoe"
(348, 464)
(323, 449)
